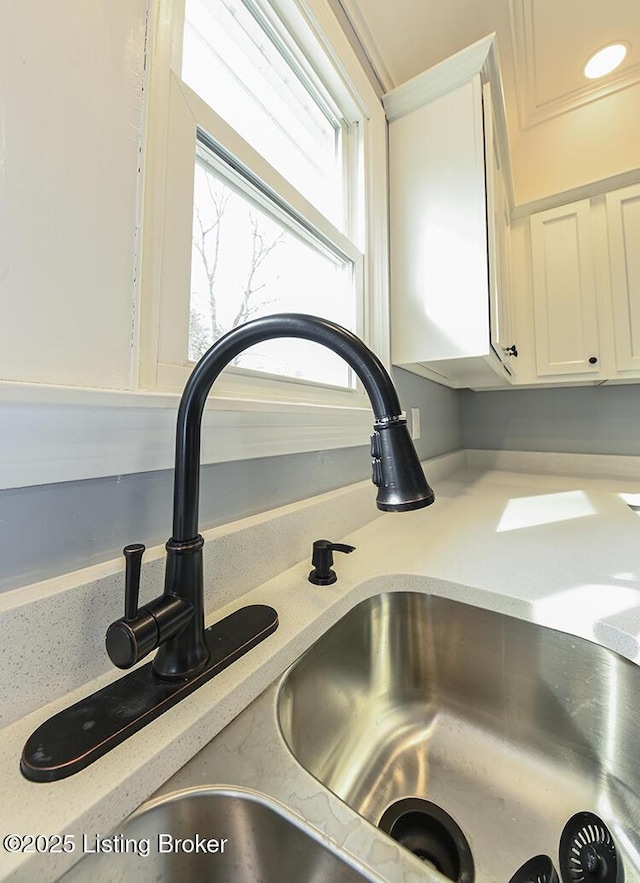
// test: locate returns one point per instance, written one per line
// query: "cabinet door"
(564, 292)
(438, 229)
(498, 229)
(623, 215)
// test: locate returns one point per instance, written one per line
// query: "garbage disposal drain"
(587, 851)
(430, 833)
(537, 870)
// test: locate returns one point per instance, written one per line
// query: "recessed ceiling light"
(605, 60)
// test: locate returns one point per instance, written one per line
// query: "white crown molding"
(530, 113)
(442, 78)
(364, 36)
(481, 58)
(585, 191)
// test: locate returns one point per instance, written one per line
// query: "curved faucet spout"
(374, 377)
(396, 469)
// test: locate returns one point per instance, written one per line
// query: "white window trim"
(175, 116)
(187, 114)
(61, 433)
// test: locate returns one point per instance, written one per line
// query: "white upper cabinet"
(450, 192)
(578, 314)
(564, 292)
(623, 216)
(485, 294)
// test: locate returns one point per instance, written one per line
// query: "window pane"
(245, 264)
(231, 60)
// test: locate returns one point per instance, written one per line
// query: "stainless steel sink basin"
(503, 726)
(243, 837)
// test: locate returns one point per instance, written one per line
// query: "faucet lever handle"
(141, 630)
(133, 564)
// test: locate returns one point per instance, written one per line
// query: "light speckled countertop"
(559, 551)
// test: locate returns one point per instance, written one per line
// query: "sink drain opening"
(588, 851)
(430, 833)
(537, 870)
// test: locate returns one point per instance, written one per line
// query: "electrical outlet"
(415, 423)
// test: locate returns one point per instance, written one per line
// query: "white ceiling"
(550, 44)
(543, 46)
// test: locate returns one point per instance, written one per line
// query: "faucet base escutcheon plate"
(74, 738)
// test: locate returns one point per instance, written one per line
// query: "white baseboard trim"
(592, 465)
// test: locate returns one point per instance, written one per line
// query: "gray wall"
(52, 529)
(581, 420)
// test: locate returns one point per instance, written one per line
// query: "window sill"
(66, 434)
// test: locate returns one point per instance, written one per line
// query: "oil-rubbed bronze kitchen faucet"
(188, 654)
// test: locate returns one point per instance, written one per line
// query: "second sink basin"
(497, 730)
(214, 834)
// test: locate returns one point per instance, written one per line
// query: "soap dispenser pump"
(322, 560)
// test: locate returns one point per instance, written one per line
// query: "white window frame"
(65, 433)
(176, 114)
